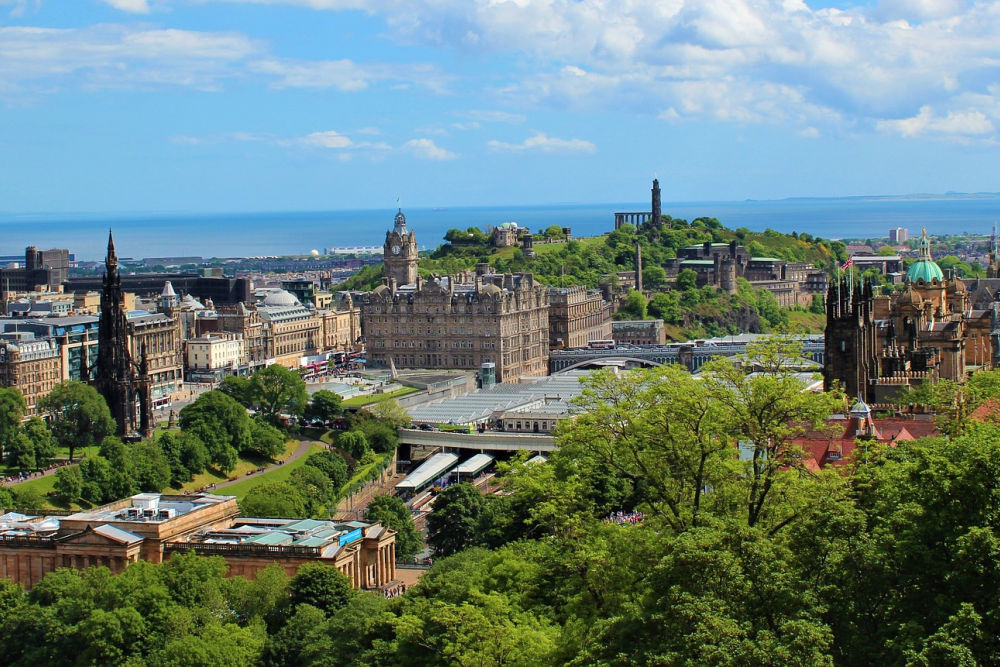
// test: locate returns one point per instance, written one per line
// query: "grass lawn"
(243, 466)
(240, 489)
(361, 401)
(807, 322)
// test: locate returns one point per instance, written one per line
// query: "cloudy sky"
(236, 105)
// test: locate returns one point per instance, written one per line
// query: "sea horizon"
(296, 232)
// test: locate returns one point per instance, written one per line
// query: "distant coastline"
(297, 232)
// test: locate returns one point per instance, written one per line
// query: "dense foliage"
(644, 539)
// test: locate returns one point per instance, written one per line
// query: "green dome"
(925, 268)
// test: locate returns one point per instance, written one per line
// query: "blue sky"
(236, 105)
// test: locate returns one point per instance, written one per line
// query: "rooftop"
(481, 404)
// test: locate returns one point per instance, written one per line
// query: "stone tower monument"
(400, 252)
(121, 382)
(656, 219)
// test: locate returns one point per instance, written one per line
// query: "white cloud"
(347, 75)
(545, 144)
(426, 149)
(787, 62)
(479, 115)
(957, 125)
(133, 6)
(327, 139)
(120, 56)
(113, 56)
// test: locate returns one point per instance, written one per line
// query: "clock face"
(396, 249)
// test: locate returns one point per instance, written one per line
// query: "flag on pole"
(846, 265)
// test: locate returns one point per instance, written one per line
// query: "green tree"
(314, 487)
(277, 389)
(554, 232)
(321, 586)
(38, 433)
(687, 279)
(653, 276)
(393, 513)
(265, 440)
(333, 466)
(69, 484)
(273, 499)
(666, 306)
(149, 466)
(390, 412)
(453, 524)
(104, 481)
(239, 389)
(659, 433)
(768, 409)
(635, 305)
(324, 405)
(354, 443)
(21, 453)
(221, 424)
(12, 409)
(381, 435)
(186, 455)
(78, 415)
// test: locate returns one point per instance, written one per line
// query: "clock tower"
(400, 252)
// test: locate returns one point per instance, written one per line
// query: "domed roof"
(280, 297)
(490, 290)
(860, 409)
(925, 268)
(399, 223)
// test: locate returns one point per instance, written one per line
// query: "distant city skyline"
(113, 106)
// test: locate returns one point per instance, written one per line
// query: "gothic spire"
(111, 260)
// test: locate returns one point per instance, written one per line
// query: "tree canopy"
(78, 415)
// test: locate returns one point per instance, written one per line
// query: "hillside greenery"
(687, 312)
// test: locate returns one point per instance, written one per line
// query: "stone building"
(505, 234)
(877, 345)
(639, 332)
(43, 269)
(341, 324)
(32, 366)
(442, 322)
(454, 322)
(158, 336)
(211, 357)
(247, 324)
(153, 527)
(577, 316)
(291, 330)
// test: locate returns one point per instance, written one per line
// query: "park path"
(299, 452)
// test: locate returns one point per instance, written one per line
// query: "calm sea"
(249, 234)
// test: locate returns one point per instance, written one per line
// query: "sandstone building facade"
(152, 527)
